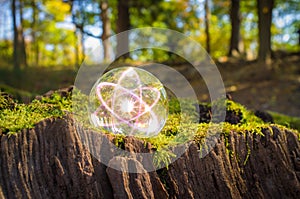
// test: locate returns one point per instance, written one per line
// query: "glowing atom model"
(129, 101)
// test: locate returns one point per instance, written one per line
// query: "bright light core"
(127, 105)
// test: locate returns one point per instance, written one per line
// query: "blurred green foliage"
(52, 38)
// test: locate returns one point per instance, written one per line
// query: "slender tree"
(23, 55)
(34, 25)
(76, 46)
(17, 44)
(207, 19)
(235, 19)
(76, 43)
(81, 18)
(19, 52)
(106, 28)
(264, 8)
(123, 24)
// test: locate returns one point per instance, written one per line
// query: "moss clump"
(17, 116)
(288, 121)
(246, 115)
(177, 131)
(181, 127)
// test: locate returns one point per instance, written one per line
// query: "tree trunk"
(76, 46)
(79, 32)
(52, 160)
(21, 36)
(106, 29)
(34, 45)
(37, 53)
(264, 8)
(235, 18)
(207, 19)
(82, 44)
(123, 24)
(16, 53)
(76, 37)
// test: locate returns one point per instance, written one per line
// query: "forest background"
(255, 43)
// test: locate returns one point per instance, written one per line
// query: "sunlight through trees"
(61, 32)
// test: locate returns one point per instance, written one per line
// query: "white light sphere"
(129, 101)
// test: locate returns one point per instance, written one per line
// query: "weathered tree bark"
(51, 161)
(123, 24)
(235, 19)
(106, 29)
(207, 19)
(264, 8)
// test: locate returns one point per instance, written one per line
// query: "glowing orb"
(129, 101)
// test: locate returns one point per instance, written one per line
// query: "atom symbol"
(129, 105)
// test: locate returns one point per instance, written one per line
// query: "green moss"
(288, 121)
(16, 117)
(181, 127)
(248, 154)
(182, 105)
(119, 141)
(163, 157)
(247, 116)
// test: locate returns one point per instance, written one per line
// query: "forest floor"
(275, 87)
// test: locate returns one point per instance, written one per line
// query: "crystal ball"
(129, 101)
